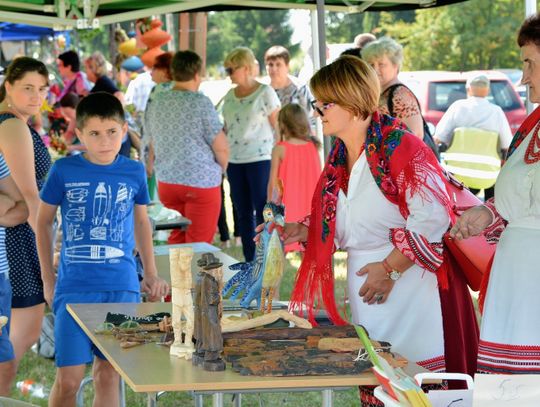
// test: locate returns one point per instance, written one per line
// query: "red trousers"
(200, 205)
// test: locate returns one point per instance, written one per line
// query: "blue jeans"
(6, 348)
(248, 189)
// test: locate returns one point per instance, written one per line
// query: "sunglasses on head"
(320, 110)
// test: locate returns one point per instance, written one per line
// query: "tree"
(477, 34)
(342, 28)
(255, 29)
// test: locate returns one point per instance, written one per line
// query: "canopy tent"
(63, 14)
(24, 32)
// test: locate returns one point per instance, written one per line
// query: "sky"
(301, 22)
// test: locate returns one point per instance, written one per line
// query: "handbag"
(472, 255)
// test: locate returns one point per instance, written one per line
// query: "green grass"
(43, 370)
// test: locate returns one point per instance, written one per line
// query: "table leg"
(217, 400)
(198, 399)
(237, 399)
(152, 399)
(327, 398)
(122, 392)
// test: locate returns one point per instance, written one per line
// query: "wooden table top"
(150, 368)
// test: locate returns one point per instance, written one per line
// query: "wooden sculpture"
(259, 279)
(182, 302)
(208, 312)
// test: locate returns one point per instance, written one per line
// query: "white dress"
(410, 319)
(510, 331)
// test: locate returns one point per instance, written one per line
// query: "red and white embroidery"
(418, 249)
(435, 364)
(500, 358)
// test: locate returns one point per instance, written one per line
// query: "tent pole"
(318, 36)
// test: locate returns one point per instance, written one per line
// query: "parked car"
(515, 77)
(437, 90)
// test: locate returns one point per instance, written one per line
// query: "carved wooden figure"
(208, 312)
(182, 301)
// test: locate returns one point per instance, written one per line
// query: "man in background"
(477, 112)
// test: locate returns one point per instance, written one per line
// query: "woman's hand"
(471, 223)
(377, 286)
(290, 233)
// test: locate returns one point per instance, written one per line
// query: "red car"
(437, 90)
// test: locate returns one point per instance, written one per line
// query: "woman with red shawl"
(382, 198)
(510, 335)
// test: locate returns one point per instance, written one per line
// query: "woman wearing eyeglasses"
(381, 198)
(250, 113)
(22, 93)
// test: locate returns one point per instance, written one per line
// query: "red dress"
(299, 171)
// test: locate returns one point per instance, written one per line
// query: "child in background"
(296, 162)
(103, 198)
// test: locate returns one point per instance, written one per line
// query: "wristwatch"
(392, 274)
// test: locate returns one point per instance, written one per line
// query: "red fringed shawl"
(400, 164)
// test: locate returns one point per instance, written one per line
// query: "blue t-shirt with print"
(97, 205)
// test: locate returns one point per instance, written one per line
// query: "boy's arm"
(44, 239)
(152, 283)
(13, 208)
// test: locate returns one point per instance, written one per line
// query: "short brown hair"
(529, 33)
(349, 82)
(277, 52)
(185, 65)
(163, 61)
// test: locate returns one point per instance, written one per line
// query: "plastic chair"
(473, 157)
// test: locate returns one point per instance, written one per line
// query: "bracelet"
(387, 266)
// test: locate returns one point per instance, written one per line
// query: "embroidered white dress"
(410, 319)
(510, 331)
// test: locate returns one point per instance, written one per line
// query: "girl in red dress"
(296, 163)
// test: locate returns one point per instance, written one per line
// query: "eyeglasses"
(229, 71)
(320, 110)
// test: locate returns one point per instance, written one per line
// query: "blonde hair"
(293, 122)
(381, 47)
(97, 64)
(349, 82)
(239, 57)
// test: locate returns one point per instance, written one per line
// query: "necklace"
(532, 155)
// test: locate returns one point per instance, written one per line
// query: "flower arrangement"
(56, 144)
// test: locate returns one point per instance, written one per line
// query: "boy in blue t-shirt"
(103, 198)
(13, 211)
